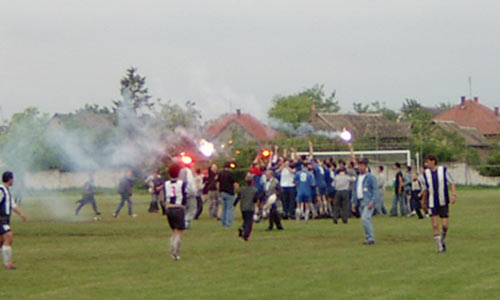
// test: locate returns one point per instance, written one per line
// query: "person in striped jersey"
(7, 205)
(436, 198)
(175, 198)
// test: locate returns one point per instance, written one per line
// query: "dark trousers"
(341, 206)
(122, 203)
(85, 200)
(199, 207)
(274, 218)
(247, 223)
(415, 200)
(153, 206)
(288, 197)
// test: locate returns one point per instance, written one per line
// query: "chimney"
(462, 100)
(476, 99)
(496, 111)
(238, 112)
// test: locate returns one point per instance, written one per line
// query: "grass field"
(126, 258)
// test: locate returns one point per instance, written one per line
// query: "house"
(473, 138)
(471, 113)
(371, 126)
(88, 119)
(244, 125)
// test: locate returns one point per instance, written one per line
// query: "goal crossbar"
(367, 152)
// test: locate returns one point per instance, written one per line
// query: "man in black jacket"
(125, 190)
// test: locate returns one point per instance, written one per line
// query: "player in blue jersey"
(175, 199)
(304, 181)
(7, 205)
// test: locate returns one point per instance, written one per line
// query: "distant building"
(473, 138)
(88, 119)
(371, 126)
(244, 125)
(471, 113)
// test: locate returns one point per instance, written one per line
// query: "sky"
(59, 55)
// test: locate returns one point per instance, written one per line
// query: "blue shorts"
(314, 191)
(304, 198)
(322, 190)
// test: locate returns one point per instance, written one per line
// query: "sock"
(307, 215)
(297, 213)
(443, 235)
(7, 255)
(178, 242)
(172, 244)
(439, 245)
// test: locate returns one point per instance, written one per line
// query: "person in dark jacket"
(88, 196)
(247, 198)
(125, 190)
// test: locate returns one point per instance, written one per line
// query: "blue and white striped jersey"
(175, 192)
(6, 203)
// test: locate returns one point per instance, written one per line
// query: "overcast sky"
(225, 54)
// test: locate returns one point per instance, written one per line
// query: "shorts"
(441, 211)
(330, 192)
(314, 191)
(304, 198)
(322, 190)
(175, 217)
(4, 228)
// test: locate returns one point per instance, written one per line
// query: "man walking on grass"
(436, 198)
(366, 194)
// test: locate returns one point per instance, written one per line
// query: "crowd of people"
(277, 186)
(302, 187)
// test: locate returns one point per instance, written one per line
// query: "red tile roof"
(473, 114)
(254, 127)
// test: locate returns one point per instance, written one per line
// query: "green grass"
(124, 258)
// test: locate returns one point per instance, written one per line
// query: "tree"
(93, 108)
(360, 108)
(134, 92)
(296, 108)
(173, 115)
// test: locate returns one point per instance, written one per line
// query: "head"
(363, 165)
(269, 174)
(174, 171)
(341, 164)
(397, 166)
(430, 161)
(128, 173)
(8, 178)
(249, 179)
(380, 169)
(408, 169)
(213, 168)
(156, 171)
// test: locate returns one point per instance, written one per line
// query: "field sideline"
(125, 258)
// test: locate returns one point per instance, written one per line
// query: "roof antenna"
(470, 87)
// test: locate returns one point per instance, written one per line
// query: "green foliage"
(492, 167)
(24, 146)
(375, 107)
(296, 108)
(134, 92)
(173, 115)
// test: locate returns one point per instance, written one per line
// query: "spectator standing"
(187, 176)
(210, 189)
(399, 196)
(287, 189)
(226, 186)
(380, 208)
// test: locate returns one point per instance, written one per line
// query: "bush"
(492, 167)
